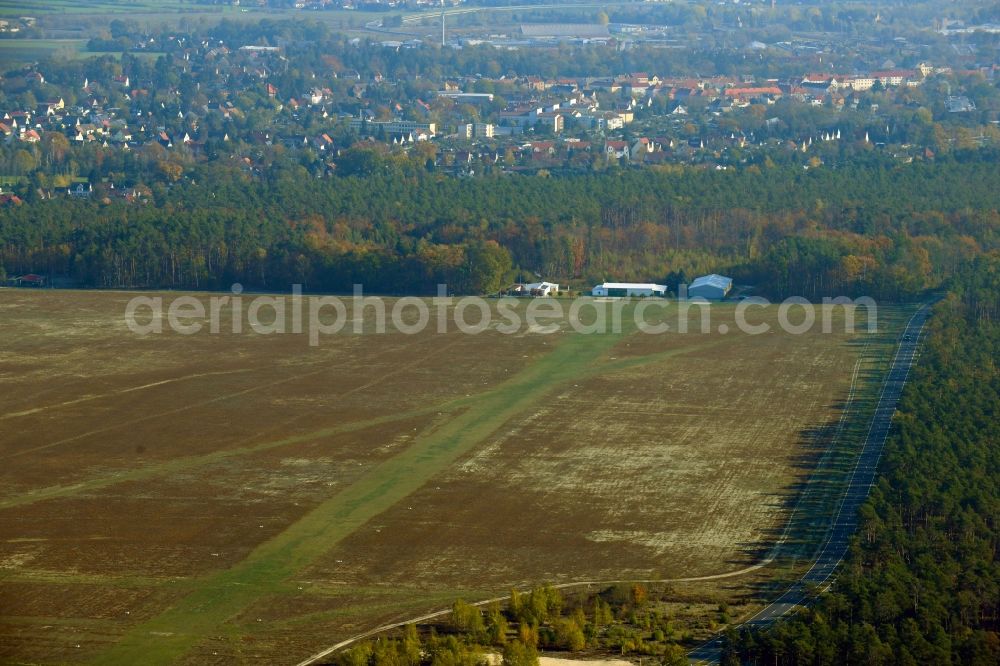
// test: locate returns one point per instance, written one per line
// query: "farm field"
(42, 7)
(87, 17)
(246, 498)
(29, 50)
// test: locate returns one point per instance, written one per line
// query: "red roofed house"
(29, 280)
(616, 149)
(751, 93)
(643, 146)
(535, 83)
(636, 87)
(542, 149)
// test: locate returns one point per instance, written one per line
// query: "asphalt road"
(845, 521)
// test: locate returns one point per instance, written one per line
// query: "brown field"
(244, 498)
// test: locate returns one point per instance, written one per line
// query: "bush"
(518, 654)
(467, 619)
(569, 636)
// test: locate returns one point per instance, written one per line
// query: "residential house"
(642, 147)
(616, 149)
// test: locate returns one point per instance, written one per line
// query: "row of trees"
(921, 583)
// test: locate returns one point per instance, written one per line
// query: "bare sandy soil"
(556, 661)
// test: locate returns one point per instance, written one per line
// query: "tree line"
(877, 228)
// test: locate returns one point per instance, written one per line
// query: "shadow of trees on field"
(827, 453)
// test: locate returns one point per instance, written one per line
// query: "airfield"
(221, 498)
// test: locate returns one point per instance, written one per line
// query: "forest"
(875, 227)
(921, 583)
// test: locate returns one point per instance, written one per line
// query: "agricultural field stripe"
(192, 462)
(197, 461)
(222, 398)
(132, 389)
(217, 598)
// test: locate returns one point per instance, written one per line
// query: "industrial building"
(542, 288)
(628, 289)
(712, 287)
(535, 289)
